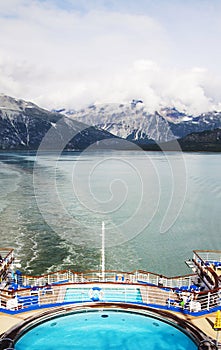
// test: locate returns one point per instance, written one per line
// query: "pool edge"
(182, 324)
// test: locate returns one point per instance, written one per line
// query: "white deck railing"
(82, 291)
(210, 256)
(109, 276)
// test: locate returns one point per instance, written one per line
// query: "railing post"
(72, 277)
(103, 252)
(39, 297)
(189, 282)
(208, 300)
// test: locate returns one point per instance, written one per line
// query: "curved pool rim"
(194, 333)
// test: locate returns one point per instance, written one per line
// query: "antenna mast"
(103, 252)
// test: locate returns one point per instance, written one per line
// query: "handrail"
(151, 295)
(85, 272)
(206, 251)
(144, 276)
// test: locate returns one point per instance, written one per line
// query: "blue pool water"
(124, 294)
(102, 330)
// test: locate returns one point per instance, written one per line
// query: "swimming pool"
(124, 294)
(105, 329)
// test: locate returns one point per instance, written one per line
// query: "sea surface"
(156, 208)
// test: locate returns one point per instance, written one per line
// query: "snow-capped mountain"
(23, 125)
(133, 122)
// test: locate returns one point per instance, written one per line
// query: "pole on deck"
(103, 252)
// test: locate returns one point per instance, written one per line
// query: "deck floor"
(204, 323)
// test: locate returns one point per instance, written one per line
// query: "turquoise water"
(104, 330)
(157, 208)
(125, 294)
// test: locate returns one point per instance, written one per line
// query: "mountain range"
(23, 125)
(133, 122)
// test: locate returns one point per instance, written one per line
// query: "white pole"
(103, 252)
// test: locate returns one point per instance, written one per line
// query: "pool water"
(124, 294)
(102, 330)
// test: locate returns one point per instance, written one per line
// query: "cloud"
(64, 53)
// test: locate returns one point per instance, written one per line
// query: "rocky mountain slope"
(133, 122)
(23, 125)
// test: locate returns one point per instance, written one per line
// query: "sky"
(73, 53)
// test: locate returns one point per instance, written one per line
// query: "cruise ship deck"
(194, 298)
